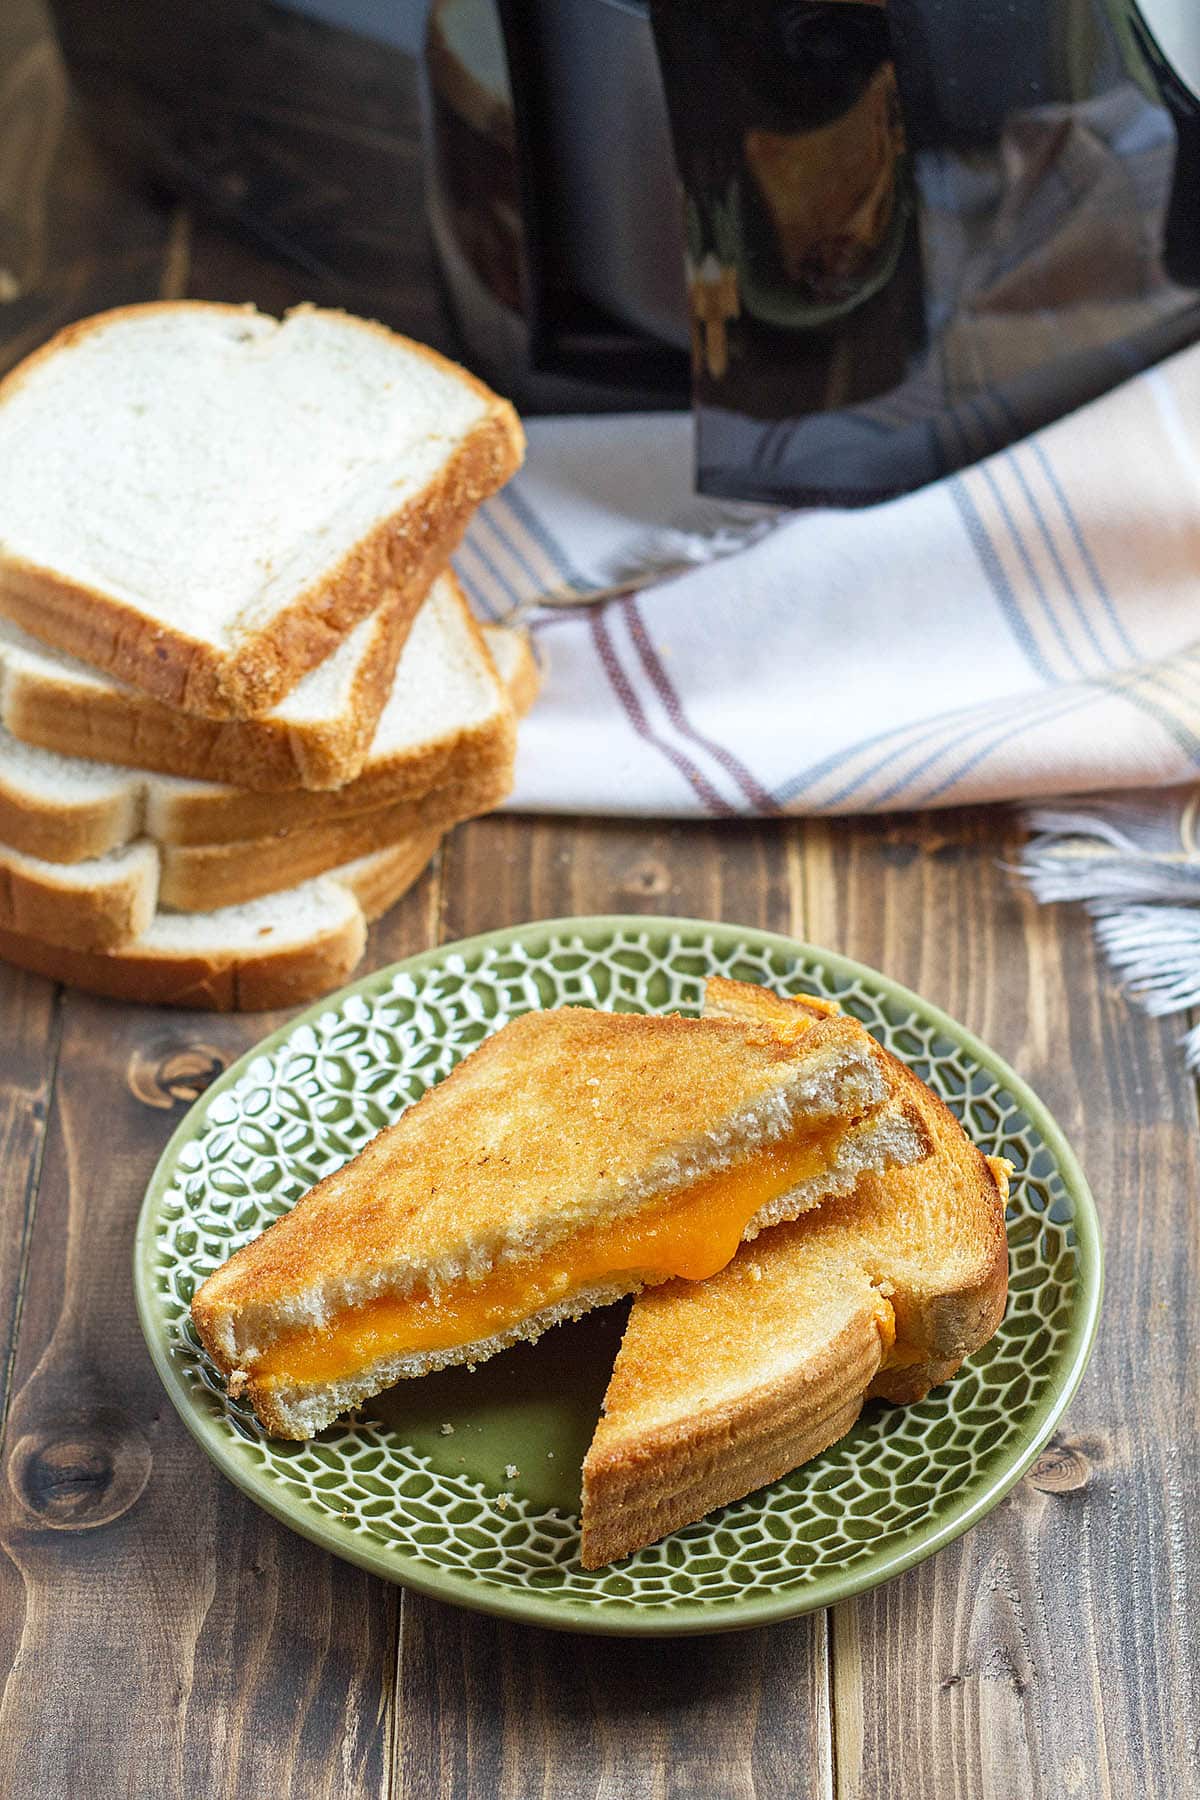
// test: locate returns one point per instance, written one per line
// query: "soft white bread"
(88, 906)
(317, 736)
(724, 1385)
(109, 900)
(564, 1123)
(66, 808)
(203, 501)
(278, 951)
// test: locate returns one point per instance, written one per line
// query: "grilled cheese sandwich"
(574, 1157)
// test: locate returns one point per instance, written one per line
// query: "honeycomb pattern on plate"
(301, 1110)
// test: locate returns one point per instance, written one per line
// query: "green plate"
(466, 1485)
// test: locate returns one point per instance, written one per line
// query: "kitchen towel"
(1029, 626)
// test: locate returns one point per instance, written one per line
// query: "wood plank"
(1051, 1650)
(486, 1708)
(31, 1029)
(167, 1636)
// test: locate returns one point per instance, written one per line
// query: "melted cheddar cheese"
(693, 1234)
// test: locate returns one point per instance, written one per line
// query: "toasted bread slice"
(725, 1385)
(278, 951)
(202, 500)
(572, 1158)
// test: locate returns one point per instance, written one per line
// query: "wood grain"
(1050, 1652)
(30, 1051)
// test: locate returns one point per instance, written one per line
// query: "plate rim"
(539, 1607)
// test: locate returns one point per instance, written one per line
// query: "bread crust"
(202, 877)
(259, 760)
(113, 911)
(116, 907)
(132, 729)
(473, 762)
(220, 980)
(66, 832)
(679, 1473)
(402, 553)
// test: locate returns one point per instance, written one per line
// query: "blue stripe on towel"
(488, 517)
(797, 783)
(1014, 532)
(1059, 566)
(1071, 701)
(1086, 556)
(1170, 721)
(924, 730)
(1119, 688)
(998, 581)
(542, 535)
(471, 543)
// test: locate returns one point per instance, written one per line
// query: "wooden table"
(162, 1637)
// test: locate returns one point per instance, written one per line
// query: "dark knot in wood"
(166, 1073)
(1062, 1468)
(81, 1472)
(648, 878)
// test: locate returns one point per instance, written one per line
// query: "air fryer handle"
(1181, 224)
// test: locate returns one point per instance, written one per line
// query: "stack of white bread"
(241, 695)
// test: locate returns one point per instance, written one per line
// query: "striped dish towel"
(1027, 627)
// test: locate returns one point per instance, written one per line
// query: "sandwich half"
(574, 1157)
(722, 1386)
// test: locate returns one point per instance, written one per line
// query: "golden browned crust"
(677, 1477)
(402, 554)
(209, 983)
(916, 1260)
(482, 1159)
(223, 981)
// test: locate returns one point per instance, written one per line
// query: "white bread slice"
(318, 736)
(66, 808)
(90, 906)
(108, 901)
(278, 951)
(203, 500)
